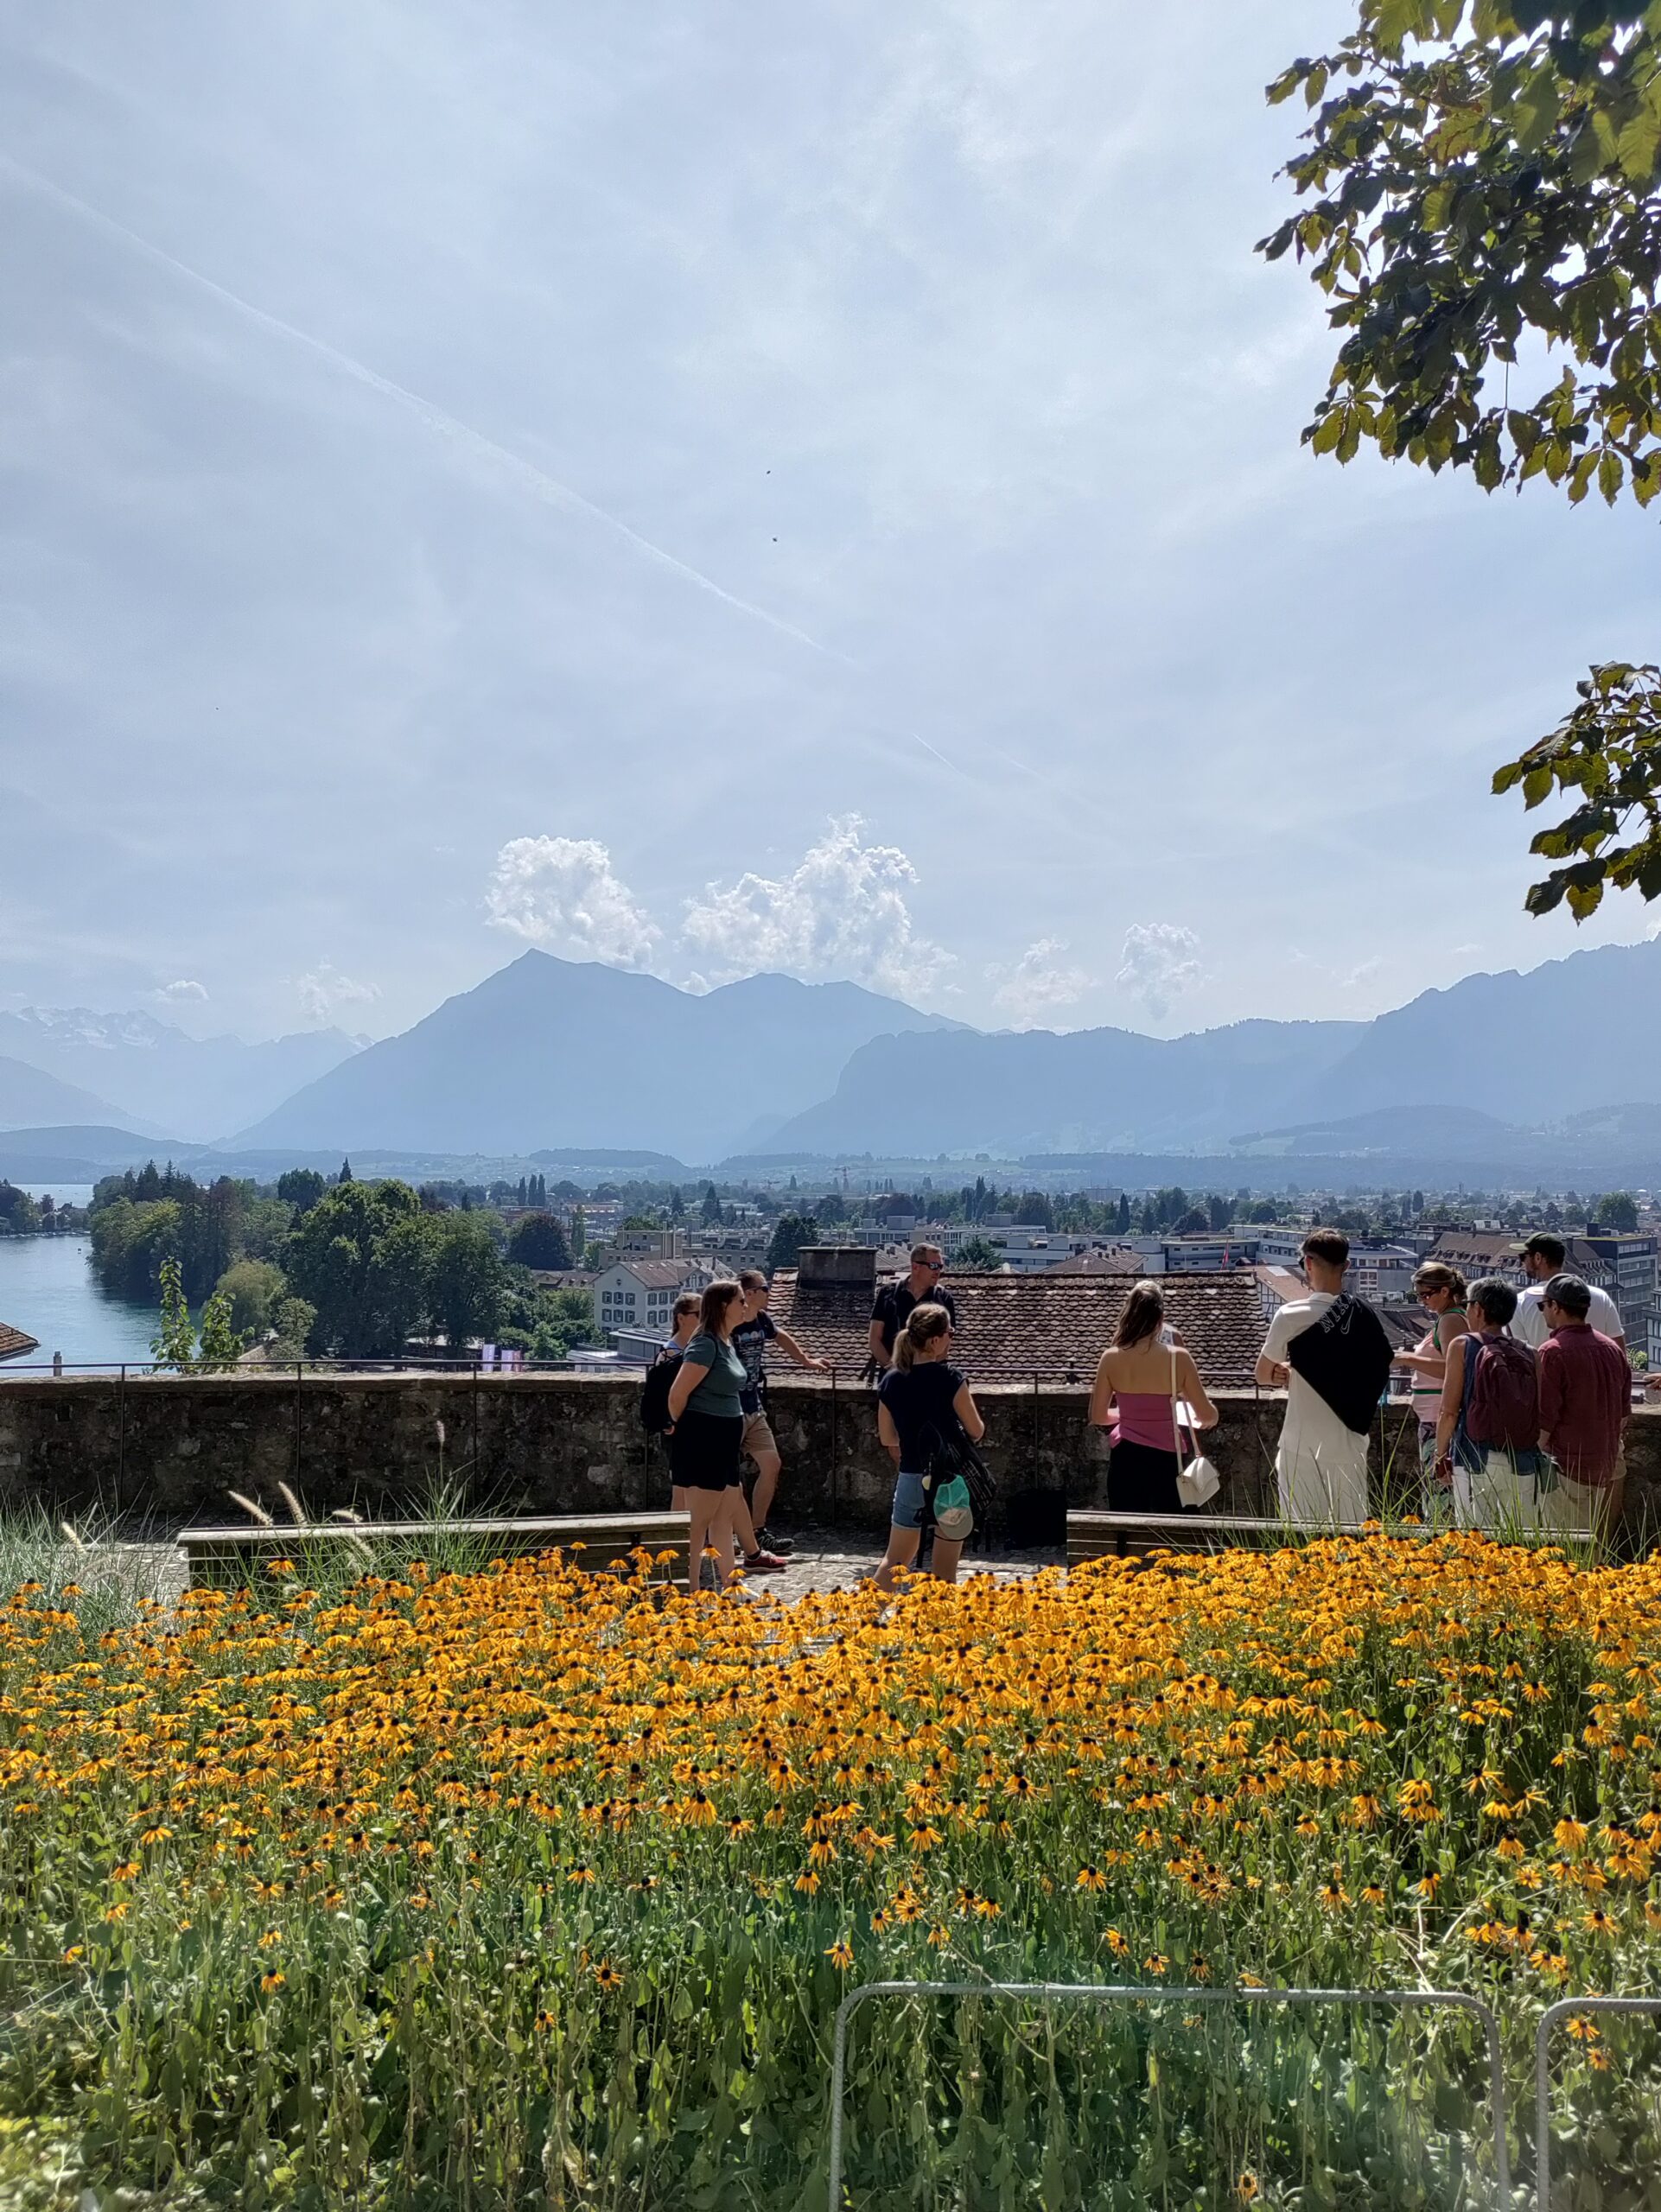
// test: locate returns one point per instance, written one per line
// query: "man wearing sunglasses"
(895, 1300)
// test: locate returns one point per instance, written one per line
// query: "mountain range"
(195, 1088)
(1554, 1073)
(1530, 1050)
(551, 1052)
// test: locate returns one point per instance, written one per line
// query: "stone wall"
(167, 1449)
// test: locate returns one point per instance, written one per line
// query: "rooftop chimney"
(836, 1267)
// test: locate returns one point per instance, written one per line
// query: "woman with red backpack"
(1488, 1427)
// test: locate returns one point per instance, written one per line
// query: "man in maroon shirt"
(1586, 1396)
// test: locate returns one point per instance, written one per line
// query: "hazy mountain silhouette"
(199, 1088)
(551, 1053)
(30, 1098)
(1529, 1050)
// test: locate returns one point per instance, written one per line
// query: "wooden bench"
(221, 1556)
(1096, 1535)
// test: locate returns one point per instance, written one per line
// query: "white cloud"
(1038, 983)
(181, 992)
(563, 892)
(323, 989)
(841, 913)
(1161, 961)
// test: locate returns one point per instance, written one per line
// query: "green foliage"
(175, 1342)
(19, 1215)
(710, 1208)
(255, 1289)
(976, 1253)
(1607, 753)
(791, 1232)
(138, 1220)
(222, 1344)
(292, 1323)
(538, 1240)
(466, 1279)
(1617, 1211)
(301, 1188)
(361, 1258)
(1475, 175)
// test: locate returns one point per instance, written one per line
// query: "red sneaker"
(764, 1563)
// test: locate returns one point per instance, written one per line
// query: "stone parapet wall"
(167, 1449)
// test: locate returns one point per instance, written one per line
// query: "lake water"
(47, 1290)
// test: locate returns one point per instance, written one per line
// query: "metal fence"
(1133, 1993)
(1565, 2009)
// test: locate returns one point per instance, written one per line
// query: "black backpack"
(654, 1392)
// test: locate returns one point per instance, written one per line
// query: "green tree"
(255, 1289)
(1481, 175)
(301, 1188)
(1617, 1210)
(362, 1259)
(465, 1280)
(1122, 1222)
(19, 1216)
(222, 1344)
(292, 1323)
(174, 1344)
(538, 1240)
(791, 1232)
(978, 1254)
(710, 1211)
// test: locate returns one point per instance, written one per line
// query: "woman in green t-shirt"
(705, 1406)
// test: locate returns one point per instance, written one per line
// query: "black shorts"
(706, 1450)
(1141, 1480)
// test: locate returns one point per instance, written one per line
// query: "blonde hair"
(924, 1324)
(1436, 1274)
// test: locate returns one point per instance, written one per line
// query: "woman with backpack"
(1141, 1377)
(1489, 1429)
(655, 1420)
(707, 1435)
(924, 1408)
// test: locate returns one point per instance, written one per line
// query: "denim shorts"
(908, 1502)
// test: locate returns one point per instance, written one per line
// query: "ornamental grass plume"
(428, 1889)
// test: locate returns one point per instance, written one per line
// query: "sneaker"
(765, 1562)
(768, 1542)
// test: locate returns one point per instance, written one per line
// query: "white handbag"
(1199, 1479)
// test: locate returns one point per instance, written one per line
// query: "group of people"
(1522, 1398)
(706, 1394)
(1522, 1403)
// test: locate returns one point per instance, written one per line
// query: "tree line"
(352, 1270)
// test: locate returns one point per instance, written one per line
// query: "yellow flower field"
(530, 1888)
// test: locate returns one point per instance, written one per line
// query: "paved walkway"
(835, 1559)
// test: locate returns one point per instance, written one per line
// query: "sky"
(714, 488)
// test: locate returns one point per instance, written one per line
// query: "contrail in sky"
(544, 487)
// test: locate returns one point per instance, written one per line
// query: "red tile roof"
(1011, 1327)
(14, 1344)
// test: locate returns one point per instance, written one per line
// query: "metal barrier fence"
(1566, 2008)
(1131, 1994)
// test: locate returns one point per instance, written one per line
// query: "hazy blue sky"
(500, 472)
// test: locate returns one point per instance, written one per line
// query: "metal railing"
(1136, 1993)
(1566, 2008)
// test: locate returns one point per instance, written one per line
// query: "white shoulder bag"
(1199, 1479)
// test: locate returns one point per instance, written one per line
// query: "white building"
(640, 1295)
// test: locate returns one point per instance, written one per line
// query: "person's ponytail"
(923, 1325)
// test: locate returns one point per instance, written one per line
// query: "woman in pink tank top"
(1139, 1375)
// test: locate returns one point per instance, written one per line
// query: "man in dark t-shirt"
(750, 1340)
(894, 1301)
